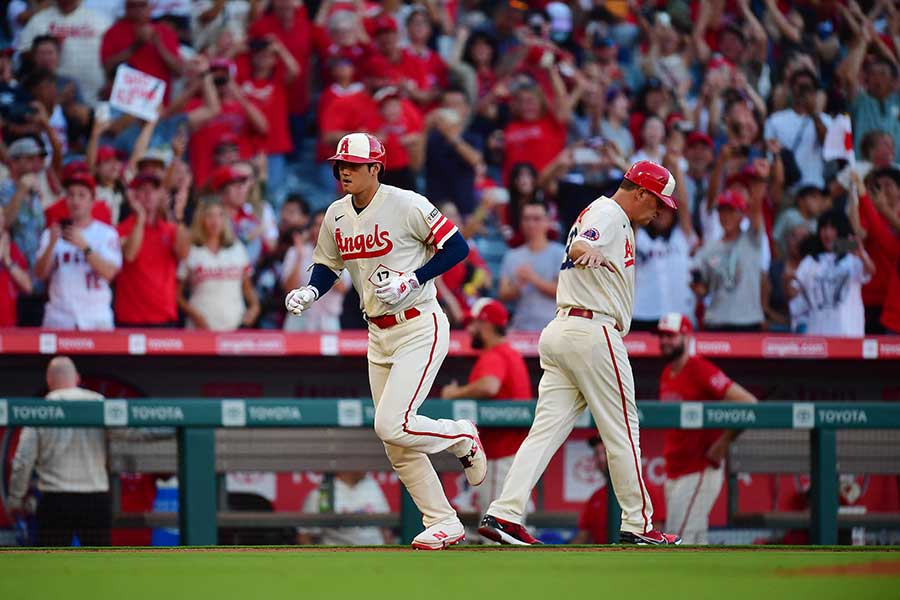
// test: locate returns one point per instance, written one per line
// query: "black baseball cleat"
(506, 532)
(654, 537)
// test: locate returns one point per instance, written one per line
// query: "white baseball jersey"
(396, 233)
(662, 275)
(79, 297)
(604, 225)
(81, 32)
(830, 295)
(216, 282)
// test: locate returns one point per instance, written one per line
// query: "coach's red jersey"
(699, 380)
(507, 365)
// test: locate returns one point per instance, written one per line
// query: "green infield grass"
(462, 573)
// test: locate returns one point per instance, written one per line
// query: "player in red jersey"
(694, 459)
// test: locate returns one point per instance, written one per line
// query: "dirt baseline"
(376, 549)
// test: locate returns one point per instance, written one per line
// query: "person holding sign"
(143, 45)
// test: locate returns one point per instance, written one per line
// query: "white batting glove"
(300, 299)
(394, 290)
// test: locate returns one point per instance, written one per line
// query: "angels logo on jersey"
(361, 245)
(591, 234)
(629, 253)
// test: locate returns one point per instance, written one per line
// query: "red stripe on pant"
(637, 464)
(419, 387)
(687, 513)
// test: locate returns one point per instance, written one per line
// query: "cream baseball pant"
(497, 470)
(403, 362)
(689, 499)
(585, 365)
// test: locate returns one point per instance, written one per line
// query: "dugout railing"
(814, 427)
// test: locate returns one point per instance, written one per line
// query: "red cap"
(228, 138)
(745, 177)
(751, 172)
(80, 178)
(143, 178)
(76, 166)
(360, 148)
(733, 199)
(672, 119)
(698, 137)
(490, 311)
(674, 323)
(105, 153)
(382, 23)
(226, 174)
(653, 178)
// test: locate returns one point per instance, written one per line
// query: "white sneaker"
(440, 535)
(475, 460)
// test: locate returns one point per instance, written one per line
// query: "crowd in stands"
(510, 115)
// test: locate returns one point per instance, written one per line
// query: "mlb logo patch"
(591, 234)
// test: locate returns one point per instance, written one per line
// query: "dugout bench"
(325, 450)
(869, 452)
(203, 454)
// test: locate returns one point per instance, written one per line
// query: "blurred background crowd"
(511, 116)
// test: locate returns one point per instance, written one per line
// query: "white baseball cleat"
(475, 460)
(440, 535)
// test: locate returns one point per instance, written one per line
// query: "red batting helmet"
(655, 179)
(674, 323)
(359, 148)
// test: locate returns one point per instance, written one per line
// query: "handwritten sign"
(136, 93)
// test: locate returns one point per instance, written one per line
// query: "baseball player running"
(394, 242)
(585, 361)
(694, 472)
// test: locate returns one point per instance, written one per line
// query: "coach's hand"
(591, 258)
(300, 299)
(395, 289)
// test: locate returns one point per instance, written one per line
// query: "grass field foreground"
(321, 574)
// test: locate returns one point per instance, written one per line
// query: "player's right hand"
(300, 299)
(593, 258)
